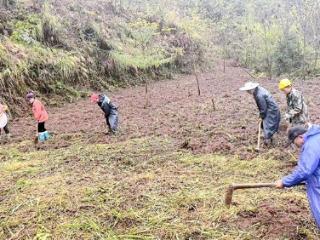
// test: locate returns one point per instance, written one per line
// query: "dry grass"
(142, 189)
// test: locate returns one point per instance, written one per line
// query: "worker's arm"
(297, 108)
(263, 106)
(308, 163)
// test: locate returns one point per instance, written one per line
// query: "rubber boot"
(268, 142)
(42, 137)
(46, 135)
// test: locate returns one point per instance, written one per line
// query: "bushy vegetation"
(274, 37)
(102, 43)
(139, 48)
(54, 45)
(28, 61)
(270, 37)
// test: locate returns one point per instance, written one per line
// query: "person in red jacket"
(41, 116)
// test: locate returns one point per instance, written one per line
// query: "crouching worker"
(268, 108)
(308, 168)
(4, 120)
(110, 111)
(41, 116)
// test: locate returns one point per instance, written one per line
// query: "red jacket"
(39, 112)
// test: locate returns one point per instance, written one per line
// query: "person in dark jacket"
(308, 168)
(268, 108)
(109, 109)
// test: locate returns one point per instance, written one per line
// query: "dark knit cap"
(295, 132)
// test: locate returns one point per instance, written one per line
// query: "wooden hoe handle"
(252, 185)
(233, 187)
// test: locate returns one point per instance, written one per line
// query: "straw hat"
(249, 86)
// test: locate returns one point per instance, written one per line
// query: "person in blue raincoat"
(109, 109)
(308, 168)
(268, 108)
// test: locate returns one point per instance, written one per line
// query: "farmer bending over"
(41, 116)
(269, 110)
(110, 111)
(297, 111)
(308, 168)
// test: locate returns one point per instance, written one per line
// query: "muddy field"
(163, 176)
(221, 120)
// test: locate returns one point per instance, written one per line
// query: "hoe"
(233, 187)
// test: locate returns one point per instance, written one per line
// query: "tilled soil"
(276, 219)
(175, 111)
(221, 120)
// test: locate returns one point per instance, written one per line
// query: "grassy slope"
(59, 48)
(141, 189)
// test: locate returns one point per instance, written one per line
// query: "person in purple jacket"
(308, 169)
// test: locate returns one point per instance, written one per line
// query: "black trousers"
(6, 129)
(41, 127)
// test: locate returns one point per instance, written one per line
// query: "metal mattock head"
(229, 194)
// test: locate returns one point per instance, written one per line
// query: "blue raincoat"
(269, 111)
(308, 170)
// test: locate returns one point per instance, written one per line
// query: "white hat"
(249, 86)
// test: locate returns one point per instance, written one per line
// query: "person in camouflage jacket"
(297, 110)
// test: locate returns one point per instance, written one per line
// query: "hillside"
(173, 68)
(64, 47)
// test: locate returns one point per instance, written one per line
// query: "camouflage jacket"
(297, 111)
